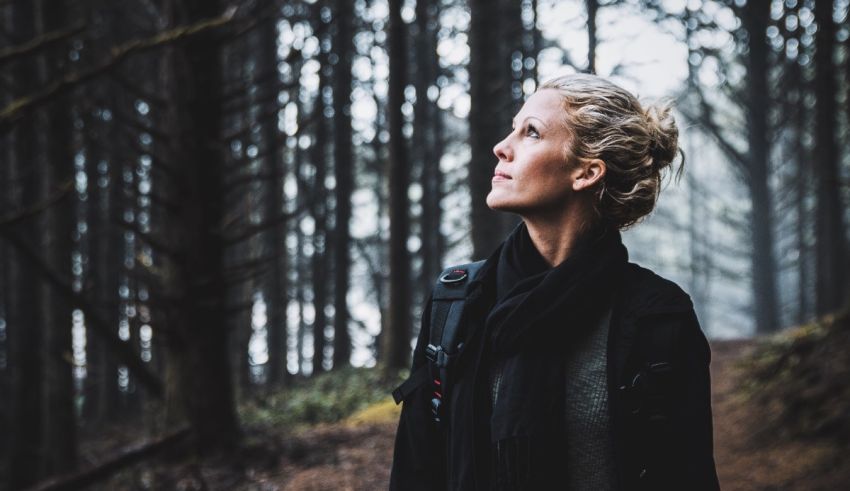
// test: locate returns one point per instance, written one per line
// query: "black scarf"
(540, 312)
(536, 302)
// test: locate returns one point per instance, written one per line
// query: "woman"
(577, 370)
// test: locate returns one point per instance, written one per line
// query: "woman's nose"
(503, 149)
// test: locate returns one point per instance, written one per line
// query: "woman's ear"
(588, 173)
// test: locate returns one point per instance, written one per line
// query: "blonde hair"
(637, 144)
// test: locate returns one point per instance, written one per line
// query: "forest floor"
(747, 460)
(346, 456)
(355, 454)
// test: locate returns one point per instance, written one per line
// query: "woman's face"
(533, 174)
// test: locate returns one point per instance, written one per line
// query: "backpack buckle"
(437, 355)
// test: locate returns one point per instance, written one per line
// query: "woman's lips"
(500, 176)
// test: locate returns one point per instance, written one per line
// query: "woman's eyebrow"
(531, 117)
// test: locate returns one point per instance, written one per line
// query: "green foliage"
(801, 381)
(326, 398)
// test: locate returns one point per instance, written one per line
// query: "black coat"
(674, 455)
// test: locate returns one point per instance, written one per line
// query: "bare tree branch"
(252, 230)
(43, 41)
(124, 352)
(22, 215)
(18, 107)
(129, 456)
(157, 243)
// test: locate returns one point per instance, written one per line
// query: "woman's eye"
(532, 132)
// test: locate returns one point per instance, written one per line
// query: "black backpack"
(645, 391)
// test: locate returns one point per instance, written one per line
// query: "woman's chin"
(499, 203)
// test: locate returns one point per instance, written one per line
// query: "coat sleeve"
(691, 448)
(419, 454)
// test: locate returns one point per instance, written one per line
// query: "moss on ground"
(800, 379)
(385, 411)
(326, 398)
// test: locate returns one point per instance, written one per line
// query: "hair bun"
(663, 133)
(638, 143)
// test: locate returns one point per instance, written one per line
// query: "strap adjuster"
(431, 352)
(437, 355)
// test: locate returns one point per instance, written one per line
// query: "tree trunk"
(129, 399)
(7, 188)
(698, 222)
(397, 339)
(493, 38)
(755, 20)
(831, 265)
(278, 284)
(426, 137)
(25, 316)
(380, 277)
(533, 53)
(201, 348)
(318, 208)
(60, 444)
(300, 284)
(802, 158)
(591, 8)
(97, 223)
(344, 173)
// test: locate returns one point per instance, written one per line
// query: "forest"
(219, 220)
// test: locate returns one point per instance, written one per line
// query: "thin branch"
(129, 456)
(156, 243)
(13, 52)
(255, 263)
(16, 109)
(139, 92)
(22, 215)
(123, 351)
(252, 230)
(241, 131)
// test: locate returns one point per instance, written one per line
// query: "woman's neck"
(555, 238)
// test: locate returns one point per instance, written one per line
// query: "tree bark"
(493, 38)
(344, 174)
(200, 348)
(831, 264)
(101, 390)
(25, 318)
(397, 339)
(277, 284)
(532, 41)
(426, 137)
(319, 270)
(797, 86)
(318, 208)
(591, 8)
(6, 298)
(60, 445)
(755, 17)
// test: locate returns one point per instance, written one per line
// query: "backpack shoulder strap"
(448, 300)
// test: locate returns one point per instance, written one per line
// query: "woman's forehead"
(545, 105)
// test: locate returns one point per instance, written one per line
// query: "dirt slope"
(747, 460)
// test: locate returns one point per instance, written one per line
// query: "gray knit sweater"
(590, 454)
